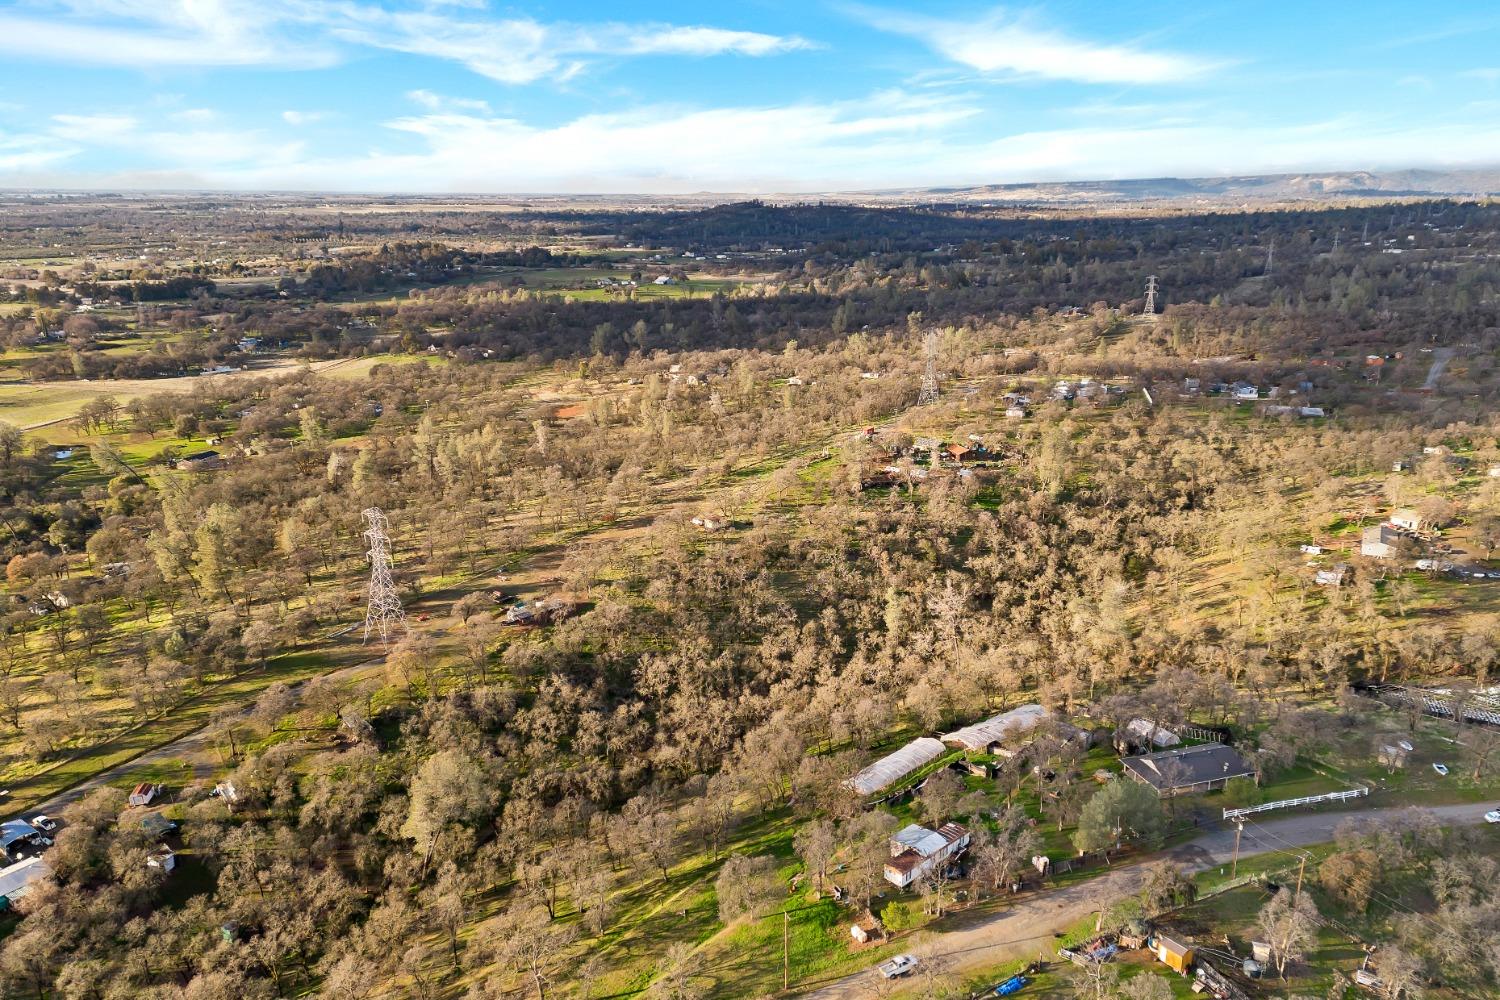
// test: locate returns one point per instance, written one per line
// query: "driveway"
(1026, 930)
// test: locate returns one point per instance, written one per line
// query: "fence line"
(1306, 800)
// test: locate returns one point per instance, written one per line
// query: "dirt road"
(195, 748)
(1026, 930)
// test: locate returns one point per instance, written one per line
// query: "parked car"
(1440, 769)
(1493, 816)
(44, 824)
(898, 966)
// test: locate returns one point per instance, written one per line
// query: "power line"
(383, 614)
(930, 390)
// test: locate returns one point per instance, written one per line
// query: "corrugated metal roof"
(1164, 737)
(13, 830)
(892, 768)
(16, 879)
(998, 727)
(920, 839)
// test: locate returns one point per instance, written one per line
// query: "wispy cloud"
(1016, 45)
(153, 34)
(294, 117)
(522, 50)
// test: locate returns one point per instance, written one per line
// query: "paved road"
(1026, 929)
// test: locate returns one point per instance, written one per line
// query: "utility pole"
(383, 614)
(1300, 869)
(1150, 307)
(930, 392)
(1239, 828)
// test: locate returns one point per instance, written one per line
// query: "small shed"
(867, 927)
(1172, 953)
(142, 794)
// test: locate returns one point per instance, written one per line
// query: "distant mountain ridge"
(1249, 187)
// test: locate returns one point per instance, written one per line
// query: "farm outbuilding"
(1172, 953)
(16, 880)
(998, 729)
(891, 768)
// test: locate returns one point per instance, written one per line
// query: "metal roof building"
(16, 880)
(892, 768)
(13, 830)
(997, 728)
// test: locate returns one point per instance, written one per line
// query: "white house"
(1409, 520)
(917, 851)
(1379, 542)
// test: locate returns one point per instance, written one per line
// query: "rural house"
(1189, 770)
(1409, 520)
(201, 461)
(1379, 542)
(917, 851)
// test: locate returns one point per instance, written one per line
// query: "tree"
(940, 795)
(527, 943)
(449, 788)
(745, 886)
(1351, 876)
(1121, 810)
(1290, 923)
(1165, 887)
(815, 844)
(1146, 985)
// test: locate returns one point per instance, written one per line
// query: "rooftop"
(893, 767)
(1189, 766)
(998, 727)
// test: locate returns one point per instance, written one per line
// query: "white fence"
(1306, 800)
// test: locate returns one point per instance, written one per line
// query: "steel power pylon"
(383, 614)
(1150, 307)
(930, 391)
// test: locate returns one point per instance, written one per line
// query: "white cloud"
(522, 50)
(20, 153)
(93, 128)
(662, 149)
(1008, 45)
(155, 34)
(438, 102)
(294, 117)
(195, 116)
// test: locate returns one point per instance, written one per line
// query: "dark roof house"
(1189, 770)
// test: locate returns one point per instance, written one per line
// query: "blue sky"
(753, 96)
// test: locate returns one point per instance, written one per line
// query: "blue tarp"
(1011, 985)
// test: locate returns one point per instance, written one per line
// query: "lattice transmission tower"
(1150, 308)
(383, 614)
(930, 391)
